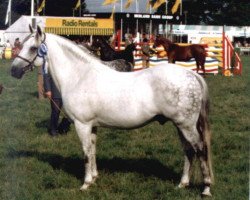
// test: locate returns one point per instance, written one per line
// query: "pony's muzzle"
(17, 72)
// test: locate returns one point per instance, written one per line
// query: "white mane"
(71, 49)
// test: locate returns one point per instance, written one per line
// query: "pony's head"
(31, 54)
(100, 42)
(162, 41)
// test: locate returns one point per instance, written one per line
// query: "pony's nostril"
(13, 71)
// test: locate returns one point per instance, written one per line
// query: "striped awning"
(79, 31)
(79, 26)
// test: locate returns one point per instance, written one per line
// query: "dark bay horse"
(107, 53)
(120, 65)
(176, 52)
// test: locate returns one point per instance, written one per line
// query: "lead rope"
(12, 88)
(61, 110)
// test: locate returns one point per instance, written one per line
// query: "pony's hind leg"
(203, 66)
(188, 161)
(85, 136)
(200, 62)
(197, 66)
(197, 146)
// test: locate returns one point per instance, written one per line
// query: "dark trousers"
(56, 105)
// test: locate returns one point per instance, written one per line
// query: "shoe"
(53, 133)
(64, 126)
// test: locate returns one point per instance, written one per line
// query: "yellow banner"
(41, 6)
(79, 26)
(78, 4)
(107, 2)
(128, 4)
(79, 23)
(158, 3)
(175, 6)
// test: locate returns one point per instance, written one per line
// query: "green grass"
(139, 164)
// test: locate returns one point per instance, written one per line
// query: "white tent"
(20, 29)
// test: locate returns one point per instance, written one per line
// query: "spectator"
(7, 44)
(145, 52)
(129, 40)
(17, 43)
(17, 47)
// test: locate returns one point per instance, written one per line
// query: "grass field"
(139, 164)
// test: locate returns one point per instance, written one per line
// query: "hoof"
(183, 185)
(85, 186)
(206, 192)
(94, 178)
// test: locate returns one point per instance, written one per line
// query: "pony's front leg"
(93, 153)
(84, 133)
(170, 60)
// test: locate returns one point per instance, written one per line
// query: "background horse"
(95, 95)
(176, 52)
(120, 65)
(107, 53)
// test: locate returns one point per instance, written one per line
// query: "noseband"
(41, 51)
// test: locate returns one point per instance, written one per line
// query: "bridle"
(40, 53)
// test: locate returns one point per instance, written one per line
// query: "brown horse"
(176, 52)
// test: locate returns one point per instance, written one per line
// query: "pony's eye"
(33, 48)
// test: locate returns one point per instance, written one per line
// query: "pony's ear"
(31, 29)
(39, 31)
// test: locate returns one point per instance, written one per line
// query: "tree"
(213, 12)
(218, 12)
(209, 12)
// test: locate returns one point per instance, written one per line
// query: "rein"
(11, 88)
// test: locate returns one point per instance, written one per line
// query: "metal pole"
(10, 13)
(121, 20)
(80, 11)
(181, 8)
(150, 22)
(185, 13)
(33, 20)
(166, 19)
(44, 9)
(32, 8)
(181, 20)
(137, 23)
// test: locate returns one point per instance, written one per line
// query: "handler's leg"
(56, 105)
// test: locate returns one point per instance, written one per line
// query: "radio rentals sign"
(79, 26)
